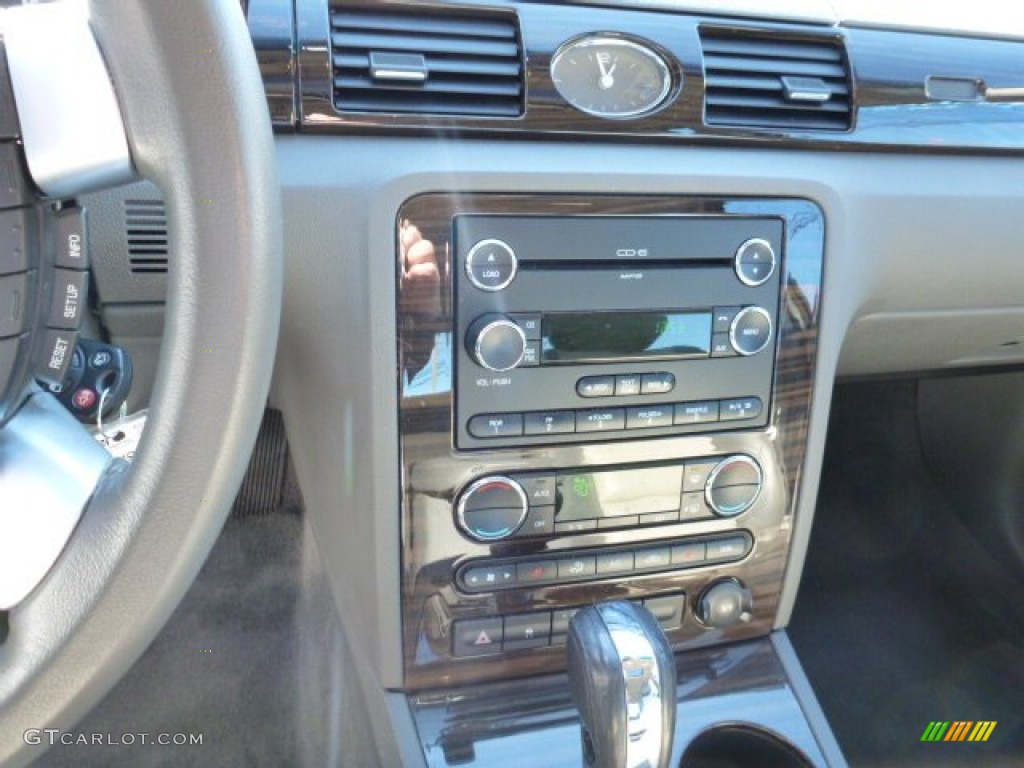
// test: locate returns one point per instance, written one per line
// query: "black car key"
(100, 373)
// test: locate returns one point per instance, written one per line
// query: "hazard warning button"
(477, 637)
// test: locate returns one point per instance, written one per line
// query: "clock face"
(611, 77)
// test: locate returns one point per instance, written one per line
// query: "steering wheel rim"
(197, 124)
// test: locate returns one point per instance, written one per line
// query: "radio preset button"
(751, 331)
(626, 386)
(491, 265)
(740, 408)
(702, 412)
(550, 423)
(649, 416)
(601, 420)
(755, 262)
(657, 383)
(496, 343)
(496, 425)
(596, 386)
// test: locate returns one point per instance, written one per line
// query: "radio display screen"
(593, 337)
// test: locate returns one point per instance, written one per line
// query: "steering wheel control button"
(596, 386)
(8, 357)
(724, 604)
(71, 234)
(657, 383)
(492, 508)
(751, 331)
(101, 359)
(67, 302)
(496, 343)
(601, 420)
(14, 245)
(740, 408)
(491, 265)
(477, 637)
(13, 303)
(755, 262)
(702, 412)
(14, 190)
(496, 425)
(733, 486)
(83, 399)
(108, 375)
(722, 318)
(550, 423)
(55, 355)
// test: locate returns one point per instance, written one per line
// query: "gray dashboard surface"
(921, 272)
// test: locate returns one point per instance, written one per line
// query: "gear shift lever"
(623, 680)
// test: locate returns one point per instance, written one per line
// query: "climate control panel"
(537, 504)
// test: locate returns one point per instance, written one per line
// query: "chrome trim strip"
(49, 466)
(70, 120)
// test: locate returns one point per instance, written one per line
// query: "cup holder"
(739, 746)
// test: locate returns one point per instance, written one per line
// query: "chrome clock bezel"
(646, 49)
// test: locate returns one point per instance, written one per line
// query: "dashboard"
(601, 265)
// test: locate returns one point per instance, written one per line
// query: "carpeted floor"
(902, 617)
(223, 667)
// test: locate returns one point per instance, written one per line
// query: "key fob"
(96, 367)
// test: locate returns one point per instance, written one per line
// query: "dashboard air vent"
(765, 79)
(145, 226)
(406, 60)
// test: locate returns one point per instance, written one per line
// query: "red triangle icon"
(483, 638)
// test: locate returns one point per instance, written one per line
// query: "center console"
(601, 397)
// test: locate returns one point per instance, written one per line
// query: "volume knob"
(496, 343)
(491, 508)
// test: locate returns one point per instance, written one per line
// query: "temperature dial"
(496, 343)
(733, 486)
(491, 508)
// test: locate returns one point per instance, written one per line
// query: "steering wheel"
(197, 125)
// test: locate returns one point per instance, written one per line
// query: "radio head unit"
(579, 328)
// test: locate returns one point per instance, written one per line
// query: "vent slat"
(748, 74)
(769, 50)
(484, 88)
(146, 236)
(414, 43)
(761, 83)
(774, 66)
(472, 61)
(442, 65)
(436, 25)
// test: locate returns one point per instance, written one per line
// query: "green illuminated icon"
(581, 486)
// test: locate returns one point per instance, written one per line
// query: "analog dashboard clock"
(611, 77)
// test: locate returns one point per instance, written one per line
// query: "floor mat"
(223, 667)
(903, 618)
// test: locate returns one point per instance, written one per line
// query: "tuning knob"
(724, 604)
(491, 508)
(496, 343)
